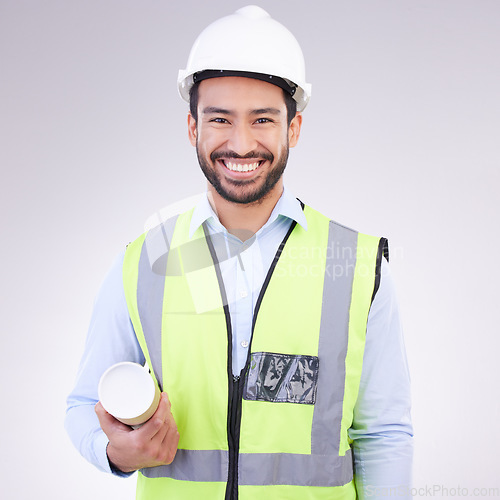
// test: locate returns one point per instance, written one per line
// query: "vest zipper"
(234, 438)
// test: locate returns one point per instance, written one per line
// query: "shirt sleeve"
(382, 431)
(110, 339)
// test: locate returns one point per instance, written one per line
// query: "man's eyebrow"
(214, 110)
(266, 111)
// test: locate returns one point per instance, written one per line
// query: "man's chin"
(240, 198)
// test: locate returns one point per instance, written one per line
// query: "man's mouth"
(239, 166)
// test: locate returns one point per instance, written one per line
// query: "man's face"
(242, 137)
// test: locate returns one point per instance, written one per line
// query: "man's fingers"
(156, 424)
(103, 416)
(170, 442)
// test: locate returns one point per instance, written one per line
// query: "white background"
(401, 139)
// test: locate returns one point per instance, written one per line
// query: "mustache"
(216, 155)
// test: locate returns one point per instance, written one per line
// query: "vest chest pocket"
(282, 378)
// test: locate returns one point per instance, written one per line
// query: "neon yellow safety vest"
(280, 431)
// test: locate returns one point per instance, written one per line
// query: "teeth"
(241, 167)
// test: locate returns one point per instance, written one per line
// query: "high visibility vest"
(280, 431)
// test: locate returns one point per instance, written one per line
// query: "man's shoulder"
(340, 231)
(313, 213)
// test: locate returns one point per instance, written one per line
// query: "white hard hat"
(248, 41)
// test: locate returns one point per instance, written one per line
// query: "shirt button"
(243, 293)
(244, 343)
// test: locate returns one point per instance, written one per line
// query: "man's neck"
(244, 220)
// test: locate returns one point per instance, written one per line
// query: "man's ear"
(192, 132)
(294, 130)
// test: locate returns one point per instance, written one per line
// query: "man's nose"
(241, 139)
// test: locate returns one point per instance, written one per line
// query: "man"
(273, 332)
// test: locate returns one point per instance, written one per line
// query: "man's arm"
(111, 339)
(382, 431)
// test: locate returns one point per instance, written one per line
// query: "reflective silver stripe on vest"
(295, 470)
(334, 331)
(194, 465)
(150, 288)
(324, 467)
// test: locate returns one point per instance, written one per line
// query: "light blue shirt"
(381, 430)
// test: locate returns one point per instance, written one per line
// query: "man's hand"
(152, 444)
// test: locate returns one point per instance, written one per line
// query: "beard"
(244, 191)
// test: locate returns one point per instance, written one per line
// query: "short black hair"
(290, 102)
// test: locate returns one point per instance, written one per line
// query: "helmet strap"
(218, 73)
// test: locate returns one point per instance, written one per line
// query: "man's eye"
(219, 120)
(263, 120)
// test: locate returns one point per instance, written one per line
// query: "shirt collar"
(287, 206)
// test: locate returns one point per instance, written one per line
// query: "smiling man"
(272, 331)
